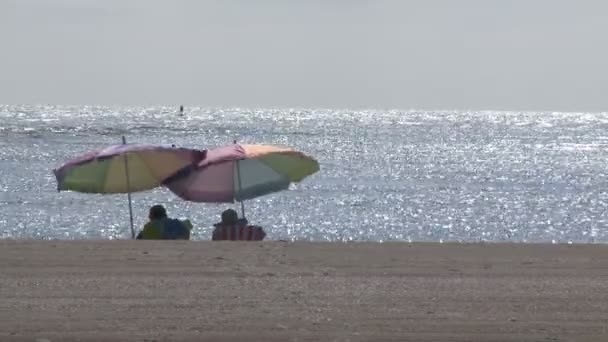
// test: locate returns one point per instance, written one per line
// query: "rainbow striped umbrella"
(240, 172)
(105, 171)
(124, 169)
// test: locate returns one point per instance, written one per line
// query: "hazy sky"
(425, 54)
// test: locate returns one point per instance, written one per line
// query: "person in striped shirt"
(233, 228)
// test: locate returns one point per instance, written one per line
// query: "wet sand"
(279, 291)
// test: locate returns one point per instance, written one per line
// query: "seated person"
(161, 227)
(233, 228)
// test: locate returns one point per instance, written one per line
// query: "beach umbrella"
(240, 172)
(124, 168)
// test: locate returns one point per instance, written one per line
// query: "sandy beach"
(281, 291)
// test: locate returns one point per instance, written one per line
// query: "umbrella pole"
(238, 176)
(124, 142)
(242, 210)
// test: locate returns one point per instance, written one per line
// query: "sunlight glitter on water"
(385, 175)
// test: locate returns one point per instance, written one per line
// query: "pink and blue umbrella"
(241, 172)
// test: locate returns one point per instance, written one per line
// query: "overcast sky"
(425, 54)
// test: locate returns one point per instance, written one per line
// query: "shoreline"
(86, 290)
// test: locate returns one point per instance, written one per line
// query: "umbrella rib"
(143, 161)
(105, 172)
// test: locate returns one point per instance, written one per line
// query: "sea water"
(385, 174)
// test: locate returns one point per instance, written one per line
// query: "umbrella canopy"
(240, 172)
(105, 171)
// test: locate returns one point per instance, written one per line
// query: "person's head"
(157, 212)
(229, 216)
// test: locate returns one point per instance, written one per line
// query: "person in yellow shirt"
(161, 227)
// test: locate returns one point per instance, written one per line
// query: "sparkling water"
(385, 175)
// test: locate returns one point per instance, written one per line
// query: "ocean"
(386, 175)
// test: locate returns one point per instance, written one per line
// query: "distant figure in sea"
(161, 227)
(181, 110)
(233, 228)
